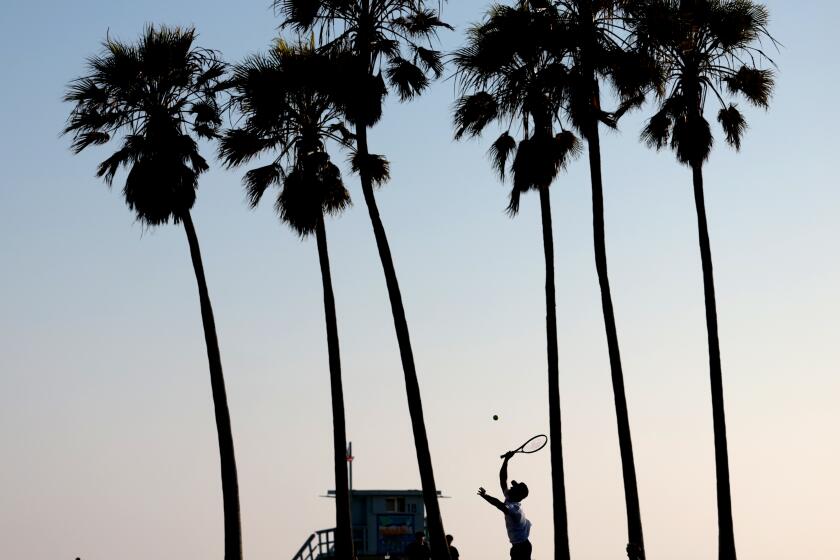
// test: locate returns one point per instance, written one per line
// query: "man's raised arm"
(494, 501)
(503, 473)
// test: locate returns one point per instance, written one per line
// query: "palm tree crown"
(287, 101)
(154, 94)
(594, 36)
(509, 73)
(393, 37)
(708, 50)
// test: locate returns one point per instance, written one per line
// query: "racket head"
(534, 444)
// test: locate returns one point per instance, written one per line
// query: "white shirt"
(518, 526)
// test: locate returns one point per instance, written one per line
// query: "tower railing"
(320, 544)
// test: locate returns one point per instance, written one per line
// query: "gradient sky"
(106, 424)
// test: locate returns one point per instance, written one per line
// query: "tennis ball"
(495, 417)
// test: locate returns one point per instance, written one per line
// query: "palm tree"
(592, 33)
(383, 36)
(153, 96)
(709, 49)
(287, 108)
(508, 74)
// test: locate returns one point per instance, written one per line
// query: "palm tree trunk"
(343, 522)
(635, 547)
(230, 483)
(726, 531)
(437, 536)
(558, 483)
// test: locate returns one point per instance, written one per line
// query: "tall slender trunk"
(558, 483)
(437, 536)
(726, 531)
(636, 546)
(230, 483)
(343, 521)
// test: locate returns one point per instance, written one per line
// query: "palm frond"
(85, 139)
(259, 179)
(500, 151)
(432, 61)
(754, 84)
(299, 14)
(733, 124)
(421, 23)
(567, 147)
(374, 165)
(473, 113)
(657, 131)
(239, 145)
(406, 77)
(736, 23)
(132, 150)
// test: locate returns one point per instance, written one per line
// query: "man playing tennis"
(518, 526)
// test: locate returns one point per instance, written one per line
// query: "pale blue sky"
(106, 422)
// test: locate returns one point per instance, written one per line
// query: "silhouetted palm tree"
(152, 96)
(288, 111)
(383, 36)
(593, 34)
(709, 49)
(508, 75)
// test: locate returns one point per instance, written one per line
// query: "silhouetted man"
(419, 549)
(453, 552)
(518, 526)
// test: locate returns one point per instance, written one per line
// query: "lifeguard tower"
(384, 523)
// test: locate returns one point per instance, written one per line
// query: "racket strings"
(534, 444)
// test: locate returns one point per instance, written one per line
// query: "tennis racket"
(531, 446)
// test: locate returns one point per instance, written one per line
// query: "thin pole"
(350, 462)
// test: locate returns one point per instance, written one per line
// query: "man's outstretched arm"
(503, 473)
(499, 505)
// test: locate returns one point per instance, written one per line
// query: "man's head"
(518, 491)
(420, 537)
(449, 539)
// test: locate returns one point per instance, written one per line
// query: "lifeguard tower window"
(395, 505)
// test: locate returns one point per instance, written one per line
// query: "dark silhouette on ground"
(709, 49)
(419, 549)
(154, 95)
(517, 525)
(386, 37)
(453, 552)
(287, 101)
